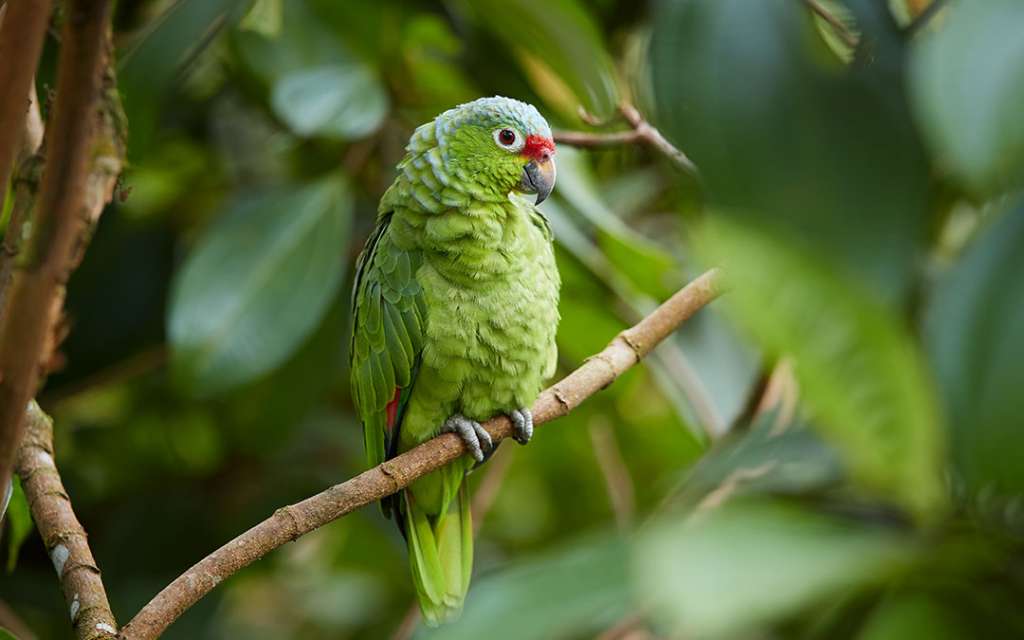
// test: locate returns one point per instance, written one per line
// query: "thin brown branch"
(641, 132)
(924, 13)
(781, 393)
(22, 33)
(290, 522)
(840, 27)
(77, 182)
(617, 479)
(10, 620)
(65, 539)
(25, 185)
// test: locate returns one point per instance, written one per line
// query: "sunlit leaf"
(975, 336)
(19, 520)
(264, 17)
(7, 635)
(837, 26)
(257, 284)
(968, 79)
(337, 101)
(561, 35)
(727, 570)
(858, 369)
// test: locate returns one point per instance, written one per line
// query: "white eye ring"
(502, 139)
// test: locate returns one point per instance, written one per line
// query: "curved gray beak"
(539, 178)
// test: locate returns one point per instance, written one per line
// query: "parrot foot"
(522, 422)
(474, 435)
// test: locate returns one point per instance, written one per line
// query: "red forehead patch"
(539, 148)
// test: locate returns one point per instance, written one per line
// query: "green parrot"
(455, 310)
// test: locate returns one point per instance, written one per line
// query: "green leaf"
(915, 616)
(785, 137)
(968, 81)
(837, 38)
(343, 101)
(19, 520)
(561, 36)
(6, 635)
(257, 284)
(649, 267)
(859, 370)
(974, 331)
(576, 592)
(723, 572)
(767, 458)
(264, 17)
(152, 65)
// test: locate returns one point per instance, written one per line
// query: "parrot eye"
(509, 139)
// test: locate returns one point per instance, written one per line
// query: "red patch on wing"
(539, 148)
(392, 409)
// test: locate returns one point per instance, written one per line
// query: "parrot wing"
(387, 338)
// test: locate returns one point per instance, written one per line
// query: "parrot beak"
(539, 178)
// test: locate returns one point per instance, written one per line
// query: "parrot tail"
(440, 555)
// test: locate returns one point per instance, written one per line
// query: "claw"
(471, 432)
(522, 421)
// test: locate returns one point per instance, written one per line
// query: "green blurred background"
(860, 184)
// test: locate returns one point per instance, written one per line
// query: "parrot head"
(500, 144)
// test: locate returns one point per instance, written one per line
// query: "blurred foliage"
(860, 186)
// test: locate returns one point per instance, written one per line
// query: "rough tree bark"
(63, 535)
(22, 32)
(63, 213)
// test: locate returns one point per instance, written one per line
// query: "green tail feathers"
(440, 555)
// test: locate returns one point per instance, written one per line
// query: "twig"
(25, 183)
(290, 522)
(483, 500)
(617, 479)
(923, 18)
(641, 132)
(63, 535)
(22, 33)
(781, 393)
(840, 27)
(77, 181)
(10, 620)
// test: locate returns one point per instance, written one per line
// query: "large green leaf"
(317, 86)
(575, 592)
(342, 100)
(561, 36)
(151, 67)
(724, 571)
(258, 283)
(968, 78)
(859, 370)
(975, 336)
(787, 137)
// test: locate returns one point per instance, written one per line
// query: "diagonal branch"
(642, 132)
(22, 32)
(63, 535)
(290, 522)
